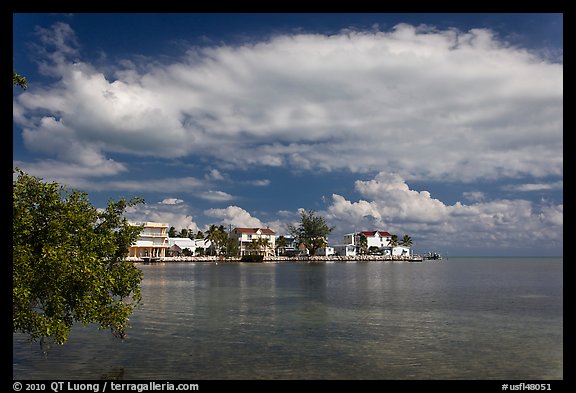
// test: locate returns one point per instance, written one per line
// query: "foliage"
(69, 261)
(281, 243)
(373, 250)
(19, 80)
(252, 258)
(312, 232)
(232, 247)
(218, 237)
(260, 244)
(406, 241)
(363, 243)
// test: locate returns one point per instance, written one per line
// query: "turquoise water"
(462, 318)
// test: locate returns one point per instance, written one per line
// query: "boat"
(432, 256)
(150, 259)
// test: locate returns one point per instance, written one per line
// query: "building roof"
(182, 242)
(265, 231)
(373, 233)
(149, 224)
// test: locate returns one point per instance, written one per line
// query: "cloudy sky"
(445, 127)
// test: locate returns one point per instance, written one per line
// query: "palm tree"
(406, 241)
(213, 236)
(258, 244)
(281, 243)
(363, 244)
(393, 242)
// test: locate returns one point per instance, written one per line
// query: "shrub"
(252, 258)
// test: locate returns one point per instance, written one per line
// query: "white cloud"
(171, 201)
(535, 186)
(474, 196)
(235, 216)
(214, 174)
(174, 214)
(258, 183)
(216, 196)
(391, 205)
(422, 102)
(69, 172)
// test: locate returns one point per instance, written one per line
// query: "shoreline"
(277, 259)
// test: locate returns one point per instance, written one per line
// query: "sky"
(444, 127)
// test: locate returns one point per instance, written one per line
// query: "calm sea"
(462, 318)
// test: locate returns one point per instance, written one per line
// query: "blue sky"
(445, 127)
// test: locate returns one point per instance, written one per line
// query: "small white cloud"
(535, 186)
(171, 201)
(214, 174)
(258, 183)
(217, 196)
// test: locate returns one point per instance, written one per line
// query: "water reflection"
(371, 320)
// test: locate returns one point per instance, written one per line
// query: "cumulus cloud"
(172, 211)
(421, 102)
(235, 216)
(389, 204)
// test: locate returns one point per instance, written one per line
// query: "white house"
(152, 241)
(246, 237)
(401, 250)
(345, 250)
(325, 251)
(179, 244)
(291, 247)
(379, 239)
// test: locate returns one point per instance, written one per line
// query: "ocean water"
(457, 319)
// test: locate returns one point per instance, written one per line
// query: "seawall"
(276, 259)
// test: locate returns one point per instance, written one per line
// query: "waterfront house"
(375, 240)
(325, 251)
(344, 250)
(287, 247)
(398, 250)
(179, 244)
(152, 241)
(378, 239)
(255, 240)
